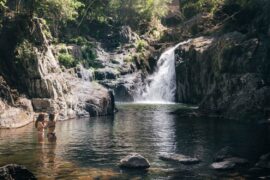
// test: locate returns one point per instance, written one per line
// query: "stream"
(92, 148)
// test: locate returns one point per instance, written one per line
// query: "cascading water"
(162, 83)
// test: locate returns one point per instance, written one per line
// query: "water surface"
(92, 148)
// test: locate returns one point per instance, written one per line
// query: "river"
(92, 148)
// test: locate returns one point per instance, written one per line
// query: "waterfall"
(161, 86)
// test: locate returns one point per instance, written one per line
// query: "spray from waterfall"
(161, 86)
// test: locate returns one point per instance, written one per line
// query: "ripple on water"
(92, 148)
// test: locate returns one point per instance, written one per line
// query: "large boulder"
(13, 117)
(15, 111)
(15, 172)
(135, 161)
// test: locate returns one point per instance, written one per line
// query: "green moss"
(141, 45)
(80, 41)
(67, 60)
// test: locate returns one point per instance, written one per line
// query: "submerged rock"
(229, 163)
(264, 161)
(224, 165)
(179, 158)
(237, 160)
(15, 172)
(134, 161)
(225, 152)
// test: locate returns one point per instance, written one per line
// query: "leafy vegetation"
(67, 60)
(141, 45)
(24, 51)
(193, 7)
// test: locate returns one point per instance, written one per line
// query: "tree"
(57, 12)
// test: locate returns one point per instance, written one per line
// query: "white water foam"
(161, 88)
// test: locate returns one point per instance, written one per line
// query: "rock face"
(179, 158)
(15, 111)
(14, 172)
(134, 161)
(35, 71)
(226, 75)
(264, 161)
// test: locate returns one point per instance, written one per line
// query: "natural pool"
(92, 148)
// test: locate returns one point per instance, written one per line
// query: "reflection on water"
(92, 148)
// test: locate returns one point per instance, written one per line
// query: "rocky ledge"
(226, 75)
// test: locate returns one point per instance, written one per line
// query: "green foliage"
(62, 10)
(191, 8)
(146, 9)
(128, 12)
(2, 4)
(81, 41)
(67, 60)
(141, 45)
(25, 52)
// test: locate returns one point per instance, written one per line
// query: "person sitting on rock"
(40, 124)
(51, 127)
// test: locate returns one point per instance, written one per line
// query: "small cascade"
(161, 86)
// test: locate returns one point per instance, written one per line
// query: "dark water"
(91, 149)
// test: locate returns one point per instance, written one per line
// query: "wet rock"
(179, 158)
(84, 74)
(229, 163)
(106, 73)
(135, 161)
(264, 161)
(226, 152)
(126, 35)
(15, 172)
(237, 160)
(224, 165)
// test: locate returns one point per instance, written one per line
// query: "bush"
(25, 52)
(81, 41)
(191, 8)
(67, 60)
(141, 45)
